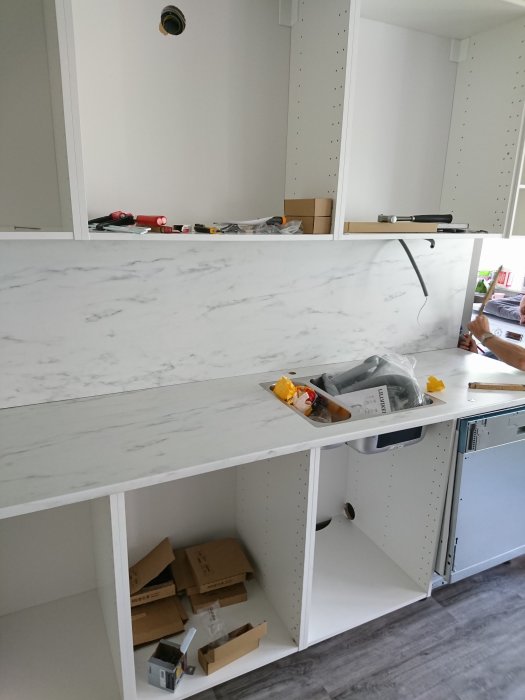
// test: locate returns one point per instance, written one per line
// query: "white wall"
(85, 318)
(191, 126)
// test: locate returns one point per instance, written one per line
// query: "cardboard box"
(320, 206)
(166, 665)
(240, 642)
(218, 563)
(384, 227)
(231, 595)
(153, 621)
(182, 574)
(169, 662)
(313, 224)
(151, 578)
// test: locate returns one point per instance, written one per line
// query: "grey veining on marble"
(87, 318)
(464, 643)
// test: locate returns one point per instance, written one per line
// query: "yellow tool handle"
(496, 387)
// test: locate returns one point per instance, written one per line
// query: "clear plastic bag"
(396, 372)
(210, 620)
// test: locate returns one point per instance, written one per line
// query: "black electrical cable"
(414, 265)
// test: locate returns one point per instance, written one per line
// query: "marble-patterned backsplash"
(86, 318)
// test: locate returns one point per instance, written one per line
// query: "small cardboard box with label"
(239, 642)
(169, 662)
(156, 610)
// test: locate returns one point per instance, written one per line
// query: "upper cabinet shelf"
(436, 108)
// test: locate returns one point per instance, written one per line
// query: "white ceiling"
(456, 19)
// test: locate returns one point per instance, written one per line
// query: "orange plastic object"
(285, 389)
(434, 384)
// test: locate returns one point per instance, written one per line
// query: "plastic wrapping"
(396, 372)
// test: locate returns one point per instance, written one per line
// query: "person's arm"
(513, 355)
(522, 310)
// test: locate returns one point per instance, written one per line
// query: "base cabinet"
(65, 592)
(59, 631)
(382, 558)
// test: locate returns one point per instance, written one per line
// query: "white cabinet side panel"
(485, 129)
(398, 498)
(113, 585)
(317, 81)
(272, 510)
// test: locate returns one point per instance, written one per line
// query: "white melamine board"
(199, 134)
(518, 228)
(485, 128)
(45, 556)
(29, 189)
(57, 651)
(353, 582)
(113, 585)
(333, 477)
(188, 511)
(275, 645)
(272, 512)
(317, 80)
(394, 490)
(455, 19)
(402, 103)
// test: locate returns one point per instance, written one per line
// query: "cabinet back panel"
(400, 125)
(196, 130)
(188, 511)
(46, 556)
(29, 192)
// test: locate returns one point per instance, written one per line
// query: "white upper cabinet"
(192, 127)
(402, 108)
(38, 170)
(436, 110)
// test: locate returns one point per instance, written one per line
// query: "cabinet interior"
(58, 609)
(265, 505)
(377, 562)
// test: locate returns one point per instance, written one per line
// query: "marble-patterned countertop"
(67, 451)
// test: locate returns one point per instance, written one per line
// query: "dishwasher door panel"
(488, 514)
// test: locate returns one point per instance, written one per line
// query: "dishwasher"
(484, 520)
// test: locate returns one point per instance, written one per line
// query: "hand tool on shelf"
(421, 218)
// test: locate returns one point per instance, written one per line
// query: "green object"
(481, 287)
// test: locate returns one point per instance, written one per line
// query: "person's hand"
(522, 310)
(467, 342)
(479, 326)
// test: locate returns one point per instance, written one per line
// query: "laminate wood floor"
(466, 642)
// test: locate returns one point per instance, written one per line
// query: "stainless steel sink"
(328, 410)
